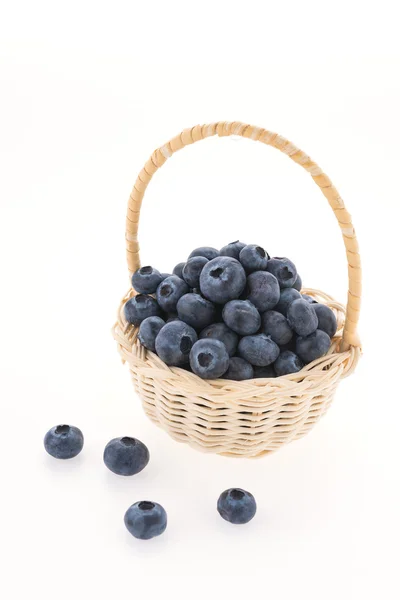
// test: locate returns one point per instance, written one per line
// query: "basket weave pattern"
(253, 417)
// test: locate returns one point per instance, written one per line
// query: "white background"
(88, 91)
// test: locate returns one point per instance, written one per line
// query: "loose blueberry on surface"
(284, 270)
(326, 319)
(206, 251)
(196, 311)
(209, 359)
(146, 280)
(277, 327)
(221, 332)
(302, 317)
(149, 330)
(239, 369)
(63, 441)
(145, 520)
(259, 350)
(126, 456)
(233, 249)
(237, 506)
(253, 258)
(309, 299)
(192, 269)
(263, 290)
(222, 279)
(242, 317)
(178, 270)
(138, 308)
(174, 343)
(287, 296)
(298, 283)
(264, 372)
(313, 346)
(287, 362)
(169, 291)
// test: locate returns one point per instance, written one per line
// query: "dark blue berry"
(313, 346)
(237, 506)
(63, 441)
(222, 279)
(264, 372)
(209, 359)
(178, 269)
(239, 369)
(284, 270)
(196, 311)
(287, 296)
(169, 291)
(263, 290)
(277, 327)
(205, 251)
(165, 275)
(149, 330)
(192, 269)
(253, 258)
(259, 350)
(221, 332)
(145, 520)
(233, 249)
(302, 317)
(298, 283)
(138, 308)
(287, 362)
(309, 299)
(126, 456)
(174, 343)
(242, 317)
(326, 319)
(146, 280)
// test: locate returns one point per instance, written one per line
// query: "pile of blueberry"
(128, 456)
(234, 313)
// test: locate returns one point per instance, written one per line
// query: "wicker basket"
(241, 418)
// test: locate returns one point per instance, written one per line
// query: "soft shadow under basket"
(241, 418)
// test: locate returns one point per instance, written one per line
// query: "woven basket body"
(253, 417)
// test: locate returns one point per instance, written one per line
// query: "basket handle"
(222, 128)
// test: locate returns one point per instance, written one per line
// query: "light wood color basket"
(241, 418)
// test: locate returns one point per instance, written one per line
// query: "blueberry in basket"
(234, 314)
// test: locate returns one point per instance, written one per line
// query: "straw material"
(241, 418)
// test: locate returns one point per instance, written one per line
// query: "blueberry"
(263, 290)
(287, 362)
(221, 332)
(259, 350)
(242, 317)
(298, 283)
(169, 291)
(196, 311)
(253, 258)
(313, 346)
(284, 270)
(178, 270)
(326, 319)
(233, 249)
(302, 317)
(222, 279)
(145, 520)
(174, 342)
(237, 506)
(277, 327)
(146, 280)
(239, 369)
(165, 275)
(209, 359)
(287, 296)
(126, 456)
(206, 251)
(63, 441)
(264, 372)
(149, 330)
(309, 299)
(192, 269)
(138, 308)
